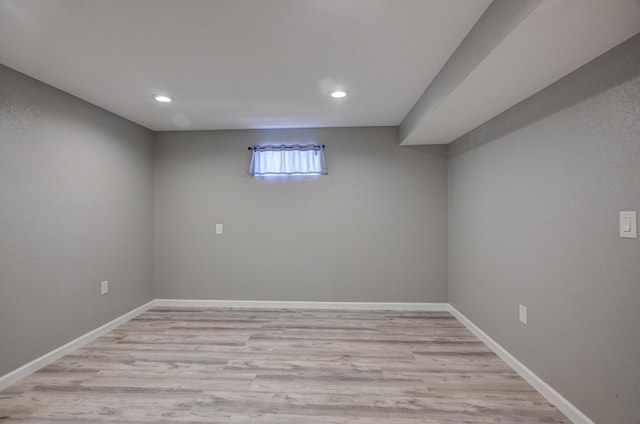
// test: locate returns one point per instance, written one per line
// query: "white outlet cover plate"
(628, 224)
(523, 314)
(104, 287)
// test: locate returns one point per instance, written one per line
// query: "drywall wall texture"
(374, 229)
(534, 201)
(75, 207)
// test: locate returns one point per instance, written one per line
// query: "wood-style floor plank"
(278, 366)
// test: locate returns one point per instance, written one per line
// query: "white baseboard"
(33, 366)
(567, 408)
(268, 304)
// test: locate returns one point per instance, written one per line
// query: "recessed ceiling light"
(338, 94)
(162, 98)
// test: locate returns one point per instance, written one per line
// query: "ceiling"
(233, 64)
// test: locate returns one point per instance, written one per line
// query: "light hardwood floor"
(200, 365)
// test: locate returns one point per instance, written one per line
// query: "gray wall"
(374, 229)
(75, 208)
(534, 201)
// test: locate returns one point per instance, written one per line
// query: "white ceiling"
(234, 64)
(238, 63)
(558, 37)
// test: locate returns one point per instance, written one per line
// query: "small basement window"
(287, 159)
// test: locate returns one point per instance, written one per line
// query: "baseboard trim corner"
(567, 408)
(268, 304)
(46, 359)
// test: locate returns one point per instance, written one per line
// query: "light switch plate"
(629, 224)
(218, 228)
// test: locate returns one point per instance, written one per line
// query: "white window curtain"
(295, 159)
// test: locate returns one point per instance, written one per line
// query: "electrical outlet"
(523, 314)
(104, 287)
